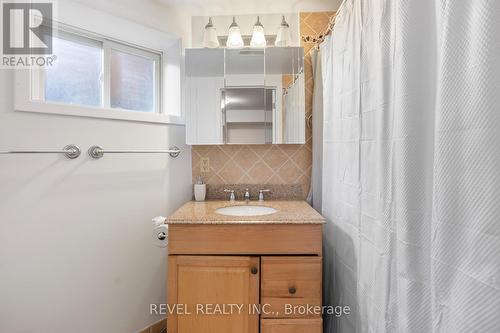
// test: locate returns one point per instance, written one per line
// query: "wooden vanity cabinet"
(250, 272)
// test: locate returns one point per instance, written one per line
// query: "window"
(133, 81)
(76, 78)
(107, 68)
(98, 72)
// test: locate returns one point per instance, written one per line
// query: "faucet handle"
(247, 195)
(231, 195)
(261, 194)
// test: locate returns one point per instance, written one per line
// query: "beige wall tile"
(303, 158)
(231, 173)
(275, 158)
(290, 149)
(218, 158)
(260, 150)
(276, 180)
(246, 158)
(260, 173)
(290, 173)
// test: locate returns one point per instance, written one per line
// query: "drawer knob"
(292, 290)
(254, 270)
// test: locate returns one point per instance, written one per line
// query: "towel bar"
(70, 151)
(97, 152)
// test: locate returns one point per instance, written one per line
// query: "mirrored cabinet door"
(203, 87)
(245, 96)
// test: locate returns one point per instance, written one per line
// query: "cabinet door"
(203, 110)
(198, 281)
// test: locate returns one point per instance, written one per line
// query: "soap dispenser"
(200, 189)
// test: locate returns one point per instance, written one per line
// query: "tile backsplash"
(268, 164)
(254, 164)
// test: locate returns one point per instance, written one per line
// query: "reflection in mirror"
(285, 67)
(248, 115)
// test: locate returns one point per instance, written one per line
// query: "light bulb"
(234, 39)
(258, 35)
(283, 38)
(210, 35)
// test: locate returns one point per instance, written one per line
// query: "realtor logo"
(26, 34)
(27, 28)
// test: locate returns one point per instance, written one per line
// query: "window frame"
(30, 92)
(108, 47)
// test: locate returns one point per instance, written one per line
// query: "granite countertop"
(203, 212)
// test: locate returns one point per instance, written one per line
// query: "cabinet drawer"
(291, 282)
(291, 326)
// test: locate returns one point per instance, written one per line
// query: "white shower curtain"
(411, 166)
(315, 192)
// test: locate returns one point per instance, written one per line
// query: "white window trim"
(119, 30)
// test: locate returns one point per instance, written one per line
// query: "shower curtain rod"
(332, 20)
(331, 24)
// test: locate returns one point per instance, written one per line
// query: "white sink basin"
(246, 210)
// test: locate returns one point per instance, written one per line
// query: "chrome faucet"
(247, 196)
(261, 194)
(231, 195)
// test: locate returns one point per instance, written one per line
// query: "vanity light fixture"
(258, 36)
(210, 39)
(234, 39)
(283, 38)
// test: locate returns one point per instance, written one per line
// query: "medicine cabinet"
(245, 96)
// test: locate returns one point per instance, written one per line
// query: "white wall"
(153, 13)
(75, 235)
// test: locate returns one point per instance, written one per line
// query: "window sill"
(96, 112)
(24, 103)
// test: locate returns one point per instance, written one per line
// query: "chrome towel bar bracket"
(97, 152)
(70, 151)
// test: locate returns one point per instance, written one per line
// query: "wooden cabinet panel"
(291, 326)
(215, 280)
(244, 239)
(292, 281)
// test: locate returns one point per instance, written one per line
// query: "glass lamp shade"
(210, 35)
(283, 37)
(258, 35)
(234, 39)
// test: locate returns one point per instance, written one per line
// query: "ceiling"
(254, 6)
